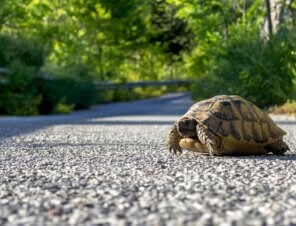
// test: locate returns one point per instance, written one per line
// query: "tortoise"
(226, 125)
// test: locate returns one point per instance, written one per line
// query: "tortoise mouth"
(187, 128)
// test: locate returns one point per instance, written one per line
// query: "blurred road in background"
(109, 166)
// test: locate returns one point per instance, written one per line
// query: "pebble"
(98, 168)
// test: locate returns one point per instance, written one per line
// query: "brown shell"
(236, 118)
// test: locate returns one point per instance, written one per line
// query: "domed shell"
(236, 118)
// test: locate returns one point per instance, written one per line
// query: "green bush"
(23, 57)
(61, 108)
(19, 104)
(17, 96)
(104, 96)
(38, 95)
(26, 92)
(26, 51)
(64, 92)
(121, 95)
(259, 70)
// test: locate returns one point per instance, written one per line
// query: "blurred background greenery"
(55, 49)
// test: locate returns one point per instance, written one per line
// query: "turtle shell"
(235, 118)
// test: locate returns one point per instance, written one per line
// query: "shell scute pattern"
(223, 111)
(234, 132)
(246, 132)
(232, 116)
(246, 111)
(201, 106)
(223, 128)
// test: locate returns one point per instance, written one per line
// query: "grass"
(287, 108)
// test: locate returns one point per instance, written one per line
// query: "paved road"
(108, 166)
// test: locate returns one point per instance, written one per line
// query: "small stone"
(57, 211)
(77, 217)
(89, 205)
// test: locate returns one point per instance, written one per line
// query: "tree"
(169, 32)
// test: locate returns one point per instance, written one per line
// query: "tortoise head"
(187, 127)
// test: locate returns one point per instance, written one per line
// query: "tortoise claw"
(175, 152)
(178, 152)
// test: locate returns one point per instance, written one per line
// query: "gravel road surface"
(109, 166)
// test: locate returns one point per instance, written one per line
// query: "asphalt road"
(109, 166)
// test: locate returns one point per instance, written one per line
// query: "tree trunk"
(269, 21)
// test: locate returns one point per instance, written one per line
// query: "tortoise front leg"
(173, 139)
(193, 144)
(212, 142)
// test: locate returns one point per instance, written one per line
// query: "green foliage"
(18, 98)
(59, 93)
(61, 108)
(27, 95)
(220, 43)
(122, 95)
(168, 31)
(21, 51)
(259, 70)
(23, 57)
(18, 103)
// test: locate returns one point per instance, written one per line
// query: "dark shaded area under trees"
(55, 49)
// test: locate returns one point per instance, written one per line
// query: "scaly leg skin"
(279, 147)
(173, 139)
(212, 142)
(194, 145)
